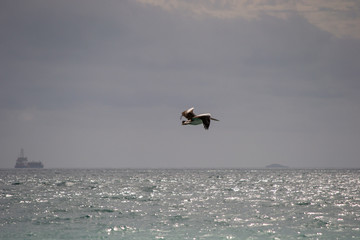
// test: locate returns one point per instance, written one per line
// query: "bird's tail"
(214, 119)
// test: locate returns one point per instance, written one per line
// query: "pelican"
(196, 119)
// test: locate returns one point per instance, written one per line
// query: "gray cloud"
(338, 17)
(85, 84)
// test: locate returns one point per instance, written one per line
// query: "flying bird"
(196, 119)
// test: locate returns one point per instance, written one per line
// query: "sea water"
(179, 204)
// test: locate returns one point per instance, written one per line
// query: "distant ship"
(22, 162)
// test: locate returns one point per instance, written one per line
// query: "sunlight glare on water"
(180, 204)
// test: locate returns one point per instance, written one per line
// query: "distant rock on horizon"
(275, 165)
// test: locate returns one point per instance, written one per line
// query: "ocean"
(179, 204)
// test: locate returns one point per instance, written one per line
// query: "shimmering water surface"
(179, 204)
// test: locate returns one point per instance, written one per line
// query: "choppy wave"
(180, 204)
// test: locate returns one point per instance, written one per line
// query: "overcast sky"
(102, 84)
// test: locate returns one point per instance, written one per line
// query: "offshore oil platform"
(22, 162)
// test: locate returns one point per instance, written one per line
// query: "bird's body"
(193, 119)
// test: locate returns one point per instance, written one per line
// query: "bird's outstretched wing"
(205, 118)
(189, 114)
